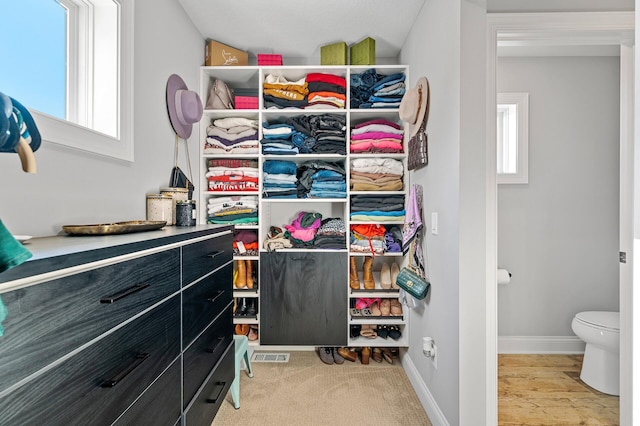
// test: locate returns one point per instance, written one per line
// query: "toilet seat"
(609, 321)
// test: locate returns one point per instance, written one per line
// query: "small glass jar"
(177, 194)
(186, 213)
(159, 207)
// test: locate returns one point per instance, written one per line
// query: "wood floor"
(547, 390)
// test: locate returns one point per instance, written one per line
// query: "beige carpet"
(305, 391)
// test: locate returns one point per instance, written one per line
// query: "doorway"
(562, 31)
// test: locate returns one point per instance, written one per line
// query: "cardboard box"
(217, 54)
(269, 59)
(364, 52)
(334, 54)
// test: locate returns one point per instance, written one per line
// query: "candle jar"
(177, 194)
(159, 207)
(186, 213)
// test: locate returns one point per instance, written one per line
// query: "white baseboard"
(428, 402)
(540, 345)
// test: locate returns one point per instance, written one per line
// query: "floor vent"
(269, 357)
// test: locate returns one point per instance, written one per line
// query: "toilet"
(600, 330)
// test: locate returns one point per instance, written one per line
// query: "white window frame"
(518, 128)
(82, 65)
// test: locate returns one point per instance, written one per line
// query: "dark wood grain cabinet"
(303, 298)
(125, 336)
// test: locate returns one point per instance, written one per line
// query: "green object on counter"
(12, 252)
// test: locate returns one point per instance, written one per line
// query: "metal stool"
(242, 350)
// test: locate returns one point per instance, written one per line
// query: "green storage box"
(334, 54)
(364, 52)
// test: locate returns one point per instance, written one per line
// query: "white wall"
(446, 44)
(75, 187)
(559, 5)
(558, 235)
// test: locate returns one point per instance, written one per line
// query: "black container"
(186, 213)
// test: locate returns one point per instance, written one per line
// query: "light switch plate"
(434, 223)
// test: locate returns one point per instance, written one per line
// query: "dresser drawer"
(160, 404)
(47, 321)
(200, 358)
(99, 383)
(206, 404)
(203, 301)
(198, 259)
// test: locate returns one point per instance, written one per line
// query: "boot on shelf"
(241, 278)
(249, 264)
(367, 273)
(354, 281)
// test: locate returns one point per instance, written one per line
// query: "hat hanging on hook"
(184, 106)
(414, 107)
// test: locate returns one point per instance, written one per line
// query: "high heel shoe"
(354, 281)
(385, 276)
(395, 270)
(367, 273)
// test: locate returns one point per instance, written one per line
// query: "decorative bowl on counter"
(114, 228)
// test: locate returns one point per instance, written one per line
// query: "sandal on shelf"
(383, 331)
(368, 331)
(366, 312)
(394, 332)
(396, 308)
(375, 309)
(385, 307)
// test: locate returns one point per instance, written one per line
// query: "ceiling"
(297, 28)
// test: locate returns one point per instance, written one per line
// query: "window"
(81, 95)
(513, 138)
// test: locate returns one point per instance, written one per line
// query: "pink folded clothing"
(376, 135)
(378, 121)
(379, 146)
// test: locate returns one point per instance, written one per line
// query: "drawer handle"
(215, 348)
(109, 383)
(215, 253)
(124, 293)
(218, 389)
(306, 259)
(218, 294)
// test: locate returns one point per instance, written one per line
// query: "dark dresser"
(132, 329)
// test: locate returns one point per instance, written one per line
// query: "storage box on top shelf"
(364, 52)
(334, 54)
(219, 54)
(269, 59)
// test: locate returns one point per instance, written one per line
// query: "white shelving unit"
(281, 211)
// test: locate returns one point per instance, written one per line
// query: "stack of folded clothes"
(245, 243)
(367, 238)
(276, 139)
(320, 134)
(302, 231)
(376, 174)
(372, 90)
(331, 234)
(326, 91)
(375, 208)
(378, 135)
(235, 210)
(236, 135)
(232, 179)
(278, 92)
(321, 179)
(279, 179)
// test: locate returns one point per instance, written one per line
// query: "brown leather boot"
(241, 279)
(354, 281)
(249, 264)
(365, 353)
(367, 273)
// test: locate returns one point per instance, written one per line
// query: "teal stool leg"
(241, 351)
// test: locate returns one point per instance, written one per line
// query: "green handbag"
(412, 283)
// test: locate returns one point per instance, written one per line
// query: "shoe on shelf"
(365, 353)
(242, 329)
(394, 332)
(354, 281)
(383, 331)
(375, 309)
(385, 307)
(385, 276)
(337, 358)
(367, 273)
(386, 355)
(396, 308)
(253, 332)
(326, 355)
(368, 331)
(241, 277)
(354, 330)
(348, 354)
(377, 355)
(241, 311)
(395, 270)
(249, 267)
(252, 309)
